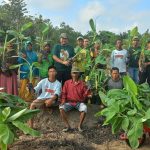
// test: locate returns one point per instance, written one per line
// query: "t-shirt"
(119, 59)
(63, 52)
(82, 60)
(44, 66)
(134, 55)
(49, 89)
(111, 84)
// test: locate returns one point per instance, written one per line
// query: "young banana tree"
(31, 67)
(19, 37)
(44, 30)
(11, 122)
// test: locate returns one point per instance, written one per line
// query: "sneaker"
(66, 129)
(80, 130)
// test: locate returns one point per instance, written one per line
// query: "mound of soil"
(94, 137)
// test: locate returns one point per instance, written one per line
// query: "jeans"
(134, 74)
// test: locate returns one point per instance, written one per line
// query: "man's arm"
(60, 61)
(64, 94)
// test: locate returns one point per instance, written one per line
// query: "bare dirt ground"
(95, 137)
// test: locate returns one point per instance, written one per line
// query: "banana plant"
(19, 36)
(144, 39)
(131, 34)
(127, 109)
(32, 67)
(11, 123)
(42, 39)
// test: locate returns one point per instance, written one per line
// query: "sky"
(110, 15)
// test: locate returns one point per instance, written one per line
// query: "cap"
(135, 38)
(75, 69)
(28, 42)
(80, 38)
(63, 35)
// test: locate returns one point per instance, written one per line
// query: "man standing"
(61, 54)
(79, 44)
(119, 58)
(134, 55)
(50, 91)
(31, 56)
(73, 96)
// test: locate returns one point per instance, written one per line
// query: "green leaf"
(125, 123)
(130, 85)
(12, 32)
(25, 128)
(17, 115)
(3, 146)
(147, 115)
(15, 66)
(92, 25)
(6, 135)
(117, 124)
(6, 112)
(26, 26)
(135, 133)
(132, 112)
(134, 32)
(27, 115)
(103, 97)
(46, 30)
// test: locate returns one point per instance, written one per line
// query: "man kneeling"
(73, 96)
(50, 89)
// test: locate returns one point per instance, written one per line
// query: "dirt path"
(93, 138)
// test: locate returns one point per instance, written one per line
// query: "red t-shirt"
(74, 91)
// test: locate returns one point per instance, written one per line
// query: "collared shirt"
(76, 92)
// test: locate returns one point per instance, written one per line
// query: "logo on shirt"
(50, 91)
(119, 56)
(64, 55)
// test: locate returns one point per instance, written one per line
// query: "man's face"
(80, 42)
(135, 43)
(75, 75)
(63, 41)
(52, 73)
(86, 43)
(29, 47)
(115, 75)
(47, 48)
(119, 44)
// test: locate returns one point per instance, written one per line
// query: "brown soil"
(95, 136)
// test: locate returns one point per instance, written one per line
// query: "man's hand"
(62, 102)
(66, 63)
(30, 87)
(24, 55)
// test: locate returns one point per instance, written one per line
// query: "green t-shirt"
(134, 55)
(63, 52)
(44, 66)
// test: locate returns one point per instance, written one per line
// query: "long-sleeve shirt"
(74, 92)
(49, 89)
(119, 59)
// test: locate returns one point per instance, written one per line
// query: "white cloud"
(93, 9)
(49, 4)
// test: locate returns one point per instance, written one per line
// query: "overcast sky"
(112, 15)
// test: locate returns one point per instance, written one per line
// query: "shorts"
(79, 106)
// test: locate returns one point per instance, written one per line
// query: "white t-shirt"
(119, 59)
(49, 89)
